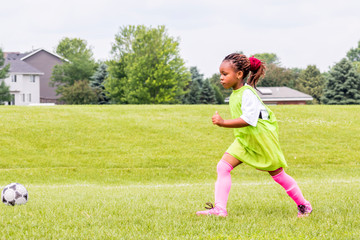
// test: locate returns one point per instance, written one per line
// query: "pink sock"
(291, 187)
(223, 184)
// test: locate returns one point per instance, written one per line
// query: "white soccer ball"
(14, 194)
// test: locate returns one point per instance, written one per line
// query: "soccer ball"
(14, 194)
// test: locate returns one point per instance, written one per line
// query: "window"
(23, 97)
(29, 97)
(32, 78)
(13, 78)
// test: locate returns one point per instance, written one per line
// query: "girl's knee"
(223, 167)
(230, 160)
(276, 172)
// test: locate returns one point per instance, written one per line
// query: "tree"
(116, 82)
(310, 81)
(268, 58)
(277, 77)
(295, 72)
(3, 69)
(215, 81)
(97, 83)
(71, 48)
(5, 95)
(356, 66)
(193, 94)
(218, 95)
(354, 54)
(193, 89)
(196, 76)
(80, 64)
(150, 67)
(342, 85)
(207, 95)
(79, 93)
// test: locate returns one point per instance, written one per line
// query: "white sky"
(300, 32)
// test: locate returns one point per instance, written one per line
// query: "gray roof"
(282, 93)
(19, 66)
(274, 94)
(29, 54)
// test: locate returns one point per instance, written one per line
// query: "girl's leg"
(293, 190)
(222, 185)
(223, 182)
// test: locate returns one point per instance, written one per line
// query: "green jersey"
(256, 146)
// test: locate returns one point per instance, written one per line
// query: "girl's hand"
(217, 119)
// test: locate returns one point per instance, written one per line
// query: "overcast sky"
(300, 32)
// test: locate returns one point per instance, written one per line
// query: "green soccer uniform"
(256, 146)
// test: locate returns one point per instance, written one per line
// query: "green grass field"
(141, 172)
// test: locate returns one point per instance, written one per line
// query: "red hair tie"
(254, 64)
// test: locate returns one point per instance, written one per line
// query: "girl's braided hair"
(242, 63)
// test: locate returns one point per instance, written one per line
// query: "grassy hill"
(141, 172)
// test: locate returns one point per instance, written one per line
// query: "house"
(23, 80)
(281, 95)
(43, 62)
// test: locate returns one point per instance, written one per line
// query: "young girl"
(256, 135)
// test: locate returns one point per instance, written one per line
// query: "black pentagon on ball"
(13, 187)
(17, 195)
(12, 203)
(26, 196)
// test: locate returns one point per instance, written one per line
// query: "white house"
(23, 80)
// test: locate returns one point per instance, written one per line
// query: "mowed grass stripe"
(307, 182)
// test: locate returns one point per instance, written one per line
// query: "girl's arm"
(231, 123)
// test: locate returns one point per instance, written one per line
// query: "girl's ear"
(239, 75)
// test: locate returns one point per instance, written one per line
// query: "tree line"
(146, 68)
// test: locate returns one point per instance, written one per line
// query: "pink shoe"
(304, 210)
(212, 211)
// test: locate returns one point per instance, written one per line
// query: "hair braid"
(242, 63)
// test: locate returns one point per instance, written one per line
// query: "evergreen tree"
(196, 76)
(5, 95)
(192, 95)
(311, 82)
(218, 95)
(343, 84)
(215, 81)
(207, 93)
(97, 83)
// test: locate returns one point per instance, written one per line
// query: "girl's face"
(229, 78)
